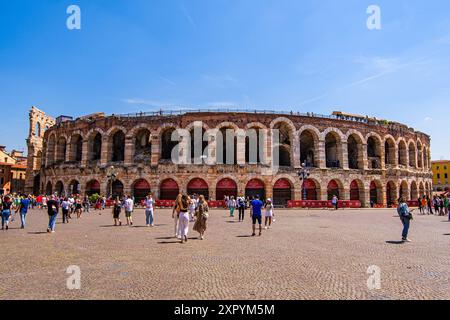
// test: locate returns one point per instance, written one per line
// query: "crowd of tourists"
(187, 209)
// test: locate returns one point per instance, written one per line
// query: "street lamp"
(111, 174)
(304, 174)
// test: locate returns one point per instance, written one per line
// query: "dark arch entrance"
(74, 188)
(49, 188)
(226, 187)
(255, 187)
(354, 191)
(374, 193)
(310, 190)
(282, 192)
(117, 189)
(333, 189)
(168, 190)
(198, 186)
(141, 189)
(59, 189)
(93, 187)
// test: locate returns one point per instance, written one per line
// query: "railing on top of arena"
(179, 112)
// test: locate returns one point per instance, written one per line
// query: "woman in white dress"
(269, 213)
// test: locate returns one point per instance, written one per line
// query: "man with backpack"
(241, 208)
(405, 216)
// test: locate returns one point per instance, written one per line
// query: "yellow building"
(441, 175)
(12, 171)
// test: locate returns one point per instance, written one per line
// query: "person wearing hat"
(269, 213)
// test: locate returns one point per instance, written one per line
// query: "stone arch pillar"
(156, 150)
(322, 161)
(240, 149)
(364, 158)
(344, 156)
(296, 151)
(105, 152)
(84, 154)
(129, 151)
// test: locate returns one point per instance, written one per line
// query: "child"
(269, 213)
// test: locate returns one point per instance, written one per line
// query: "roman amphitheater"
(353, 157)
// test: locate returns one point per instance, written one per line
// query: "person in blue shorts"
(257, 215)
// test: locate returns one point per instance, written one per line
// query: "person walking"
(78, 208)
(256, 206)
(183, 224)
(6, 212)
(446, 206)
(65, 207)
(419, 203)
(52, 210)
(241, 207)
(335, 202)
(441, 206)
(424, 205)
(232, 206)
(405, 216)
(429, 205)
(129, 207)
(117, 208)
(269, 214)
(23, 207)
(202, 217)
(192, 208)
(176, 215)
(149, 211)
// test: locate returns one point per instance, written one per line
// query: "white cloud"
(428, 119)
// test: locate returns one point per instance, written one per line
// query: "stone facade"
(363, 160)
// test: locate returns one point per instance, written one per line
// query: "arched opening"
(93, 187)
(355, 191)
(95, 147)
(354, 151)
(254, 146)
(403, 191)
(308, 147)
(226, 146)
(117, 189)
(282, 192)
(198, 146)
(199, 187)
(141, 189)
(310, 190)
(376, 195)
(414, 191)
(226, 188)
(284, 146)
(333, 190)
(118, 147)
(389, 151)
(74, 188)
(422, 189)
(61, 148)
(142, 146)
(36, 185)
(37, 130)
(49, 188)
(391, 194)
(412, 155)
(168, 190)
(59, 189)
(76, 148)
(402, 154)
(167, 145)
(374, 152)
(333, 150)
(255, 187)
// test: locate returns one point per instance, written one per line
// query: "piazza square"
(307, 254)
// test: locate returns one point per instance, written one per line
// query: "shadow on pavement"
(42, 232)
(395, 242)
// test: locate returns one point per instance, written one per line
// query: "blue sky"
(296, 55)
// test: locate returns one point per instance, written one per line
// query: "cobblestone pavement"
(306, 255)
